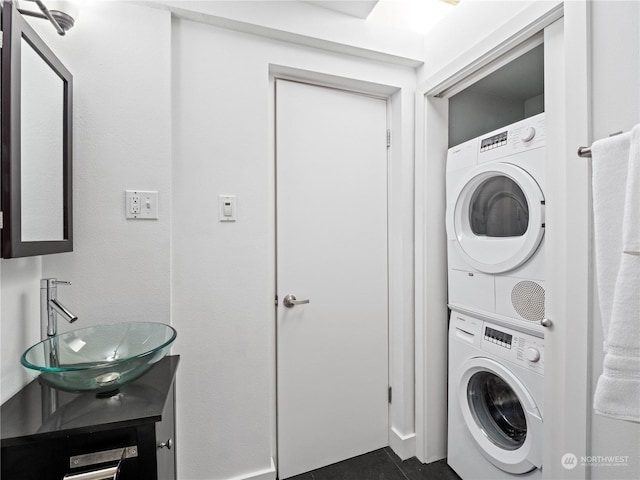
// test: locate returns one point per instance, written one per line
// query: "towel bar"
(585, 152)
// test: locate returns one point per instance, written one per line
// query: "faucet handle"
(47, 283)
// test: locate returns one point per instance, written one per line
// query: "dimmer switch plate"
(141, 204)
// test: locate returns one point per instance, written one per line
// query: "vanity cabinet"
(47, 434)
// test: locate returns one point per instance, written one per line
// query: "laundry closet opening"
(511, 93)
(495, 223)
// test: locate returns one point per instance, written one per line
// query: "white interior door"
(332, 360)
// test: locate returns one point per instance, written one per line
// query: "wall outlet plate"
(141, 204)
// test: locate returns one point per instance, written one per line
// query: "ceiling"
(355, 8)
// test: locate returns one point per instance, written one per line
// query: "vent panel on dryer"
(527, 298)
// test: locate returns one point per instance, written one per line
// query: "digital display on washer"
(493, 142)
(498, 337)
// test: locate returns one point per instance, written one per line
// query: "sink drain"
(108, 378)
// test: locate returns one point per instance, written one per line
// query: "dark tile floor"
(381, 464)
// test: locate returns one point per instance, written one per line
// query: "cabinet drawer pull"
(168, 444)
(96, 458)
(110, 473)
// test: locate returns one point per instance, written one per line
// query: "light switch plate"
(141, 204)
(227, 208)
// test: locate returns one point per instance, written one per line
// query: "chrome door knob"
(168, 444)
(291, 301)
(545, 322)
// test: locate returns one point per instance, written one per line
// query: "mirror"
(41, 117)
(36, 143)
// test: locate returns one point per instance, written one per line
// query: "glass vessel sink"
(98, 359)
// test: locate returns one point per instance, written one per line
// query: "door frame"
(567, 402)
(400, 247)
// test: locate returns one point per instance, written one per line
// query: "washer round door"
(500, 415)
(498, 218)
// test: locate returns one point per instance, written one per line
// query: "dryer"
(495, 222)
(495, 401)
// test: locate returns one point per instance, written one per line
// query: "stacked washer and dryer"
(495, 232)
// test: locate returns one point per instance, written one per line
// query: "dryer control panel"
(519, 137)
(518, 347)
(527, 134)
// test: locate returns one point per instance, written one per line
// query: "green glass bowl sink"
(98, 359)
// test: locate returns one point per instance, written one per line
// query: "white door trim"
(518, 34)
(567, 408)
(400, 247)
(431, 313)
(569, 301)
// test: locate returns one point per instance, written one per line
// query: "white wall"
(306, 24)
(616, 107)
(119, 55)
(221, 281)
(223, 274)
(465, 27)
(19, 319)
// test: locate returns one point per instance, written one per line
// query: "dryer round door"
(500, 415)
(498, 217)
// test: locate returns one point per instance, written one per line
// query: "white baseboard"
(266, 474)
(403, 445)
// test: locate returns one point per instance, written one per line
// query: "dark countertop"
(31, 414)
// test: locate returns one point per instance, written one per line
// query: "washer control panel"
(518, 347)
(498, 337)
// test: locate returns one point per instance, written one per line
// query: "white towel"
(616, 204)
(631, 221)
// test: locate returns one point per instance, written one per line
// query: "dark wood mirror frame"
(15, 28)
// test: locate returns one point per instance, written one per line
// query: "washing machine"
(495, 401)
(495, 222)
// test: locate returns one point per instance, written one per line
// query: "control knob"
(529, 133)
(532, 354)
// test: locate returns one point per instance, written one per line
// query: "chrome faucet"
(50, 307)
